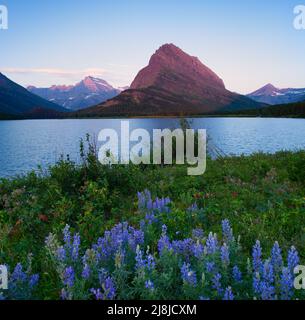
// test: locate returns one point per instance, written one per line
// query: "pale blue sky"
(246, 42)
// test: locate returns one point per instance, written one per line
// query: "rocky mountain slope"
(174, 83)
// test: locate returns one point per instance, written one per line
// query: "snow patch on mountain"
(88, 92)
(272, 95)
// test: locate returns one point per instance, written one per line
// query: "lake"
(26, 144)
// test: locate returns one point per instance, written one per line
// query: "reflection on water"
(26, 144)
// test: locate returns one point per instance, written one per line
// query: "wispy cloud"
(56, 72)
(117, 75)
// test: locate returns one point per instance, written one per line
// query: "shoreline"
(157, 117)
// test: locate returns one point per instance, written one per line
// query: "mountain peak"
(267, 89)
(272, 95)
(169, 48)
(170, 65)
(87, 92)
(170, 51)
(95, 84)
(92, 79)
(270, 86)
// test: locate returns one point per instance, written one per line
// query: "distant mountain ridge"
(16, 100)
(174, 83)
(271, 95)
(290, 110)
(90, 91)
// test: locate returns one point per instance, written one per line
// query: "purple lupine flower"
(286, 284)
(225, 255)
(143, 199)
(97, 294)
(67, 236)
(145, 203)
(164, 242)
(198, 234)
(150, 218)
(135, 238)
(257, 283)
(216, 284)
(228, 296)
(293, 258)
(264, 286)
(268, 272)
(210, 267)
(237, 275)
(267, 291)
(18, 274)
(68, 277)
(102, 276)
(33, 280)
(188, 275)
(120, 237)
(142, 225)
(149, 285)
(140, 262)
(61, 254)
(161, 205)
(150, 262)
(276, 257)
(183, 247)
(198, 250)
(227, 231)
(86, 272)
(109, 289)
(257, 255)
(211, 244)
(75, 246)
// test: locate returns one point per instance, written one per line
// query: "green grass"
(263, 196)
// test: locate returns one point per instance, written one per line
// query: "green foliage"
(262, 195)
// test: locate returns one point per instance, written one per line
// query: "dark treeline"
(293, 110)
(296, 110)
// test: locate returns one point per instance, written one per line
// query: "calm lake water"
(26, 144)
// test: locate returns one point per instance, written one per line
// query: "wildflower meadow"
(87, 232)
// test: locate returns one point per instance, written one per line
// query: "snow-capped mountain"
(88, 92)
(272, 95)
